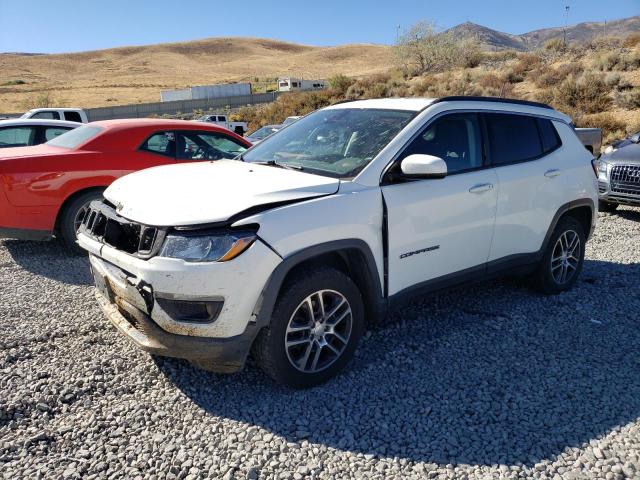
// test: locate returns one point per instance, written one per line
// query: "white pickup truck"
(239, 128)
(69, 114)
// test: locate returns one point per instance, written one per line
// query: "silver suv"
(619, 175)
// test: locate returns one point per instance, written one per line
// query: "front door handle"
(482, 187)
(554, 172)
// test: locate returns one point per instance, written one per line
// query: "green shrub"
(340, 83)
(628, 100)
(612, 128)
(555, 45)
(13, 82)
(585, 93)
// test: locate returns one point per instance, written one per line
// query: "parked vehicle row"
(289, 250)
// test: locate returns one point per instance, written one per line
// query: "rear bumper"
(25, 234)
(225, 355)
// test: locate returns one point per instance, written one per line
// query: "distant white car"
(262, 133)
(290, 120)
(69, 114)
(20, 132)
(239, 128)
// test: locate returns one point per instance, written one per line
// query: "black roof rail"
(470, 98)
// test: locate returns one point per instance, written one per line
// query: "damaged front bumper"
(224, 355)
(201, 312)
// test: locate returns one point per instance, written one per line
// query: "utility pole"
(397, 34)
(566, 21)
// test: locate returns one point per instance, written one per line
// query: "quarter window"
(52, 132)
(207, 146)
(548, 135)
(162, 143)
(455, 138)
(513, 138)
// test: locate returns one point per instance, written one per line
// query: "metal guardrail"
(141, 110)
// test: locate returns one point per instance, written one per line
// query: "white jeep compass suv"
(290, 250)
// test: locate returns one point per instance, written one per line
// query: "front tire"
(563, 258)
(316, 324)
(607, 207)
(72, 215)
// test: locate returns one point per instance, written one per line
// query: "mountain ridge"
(577, 33)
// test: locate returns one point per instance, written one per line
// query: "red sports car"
(45, 189)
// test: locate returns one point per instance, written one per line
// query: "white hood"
(208, 192)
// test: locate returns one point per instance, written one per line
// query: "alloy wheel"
(565, 257)
(318, 331)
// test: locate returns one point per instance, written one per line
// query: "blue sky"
(50, 26)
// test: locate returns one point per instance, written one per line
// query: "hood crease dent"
(193, 194)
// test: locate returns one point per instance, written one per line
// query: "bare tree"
(422, 49)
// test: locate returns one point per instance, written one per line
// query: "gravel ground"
(492, 381)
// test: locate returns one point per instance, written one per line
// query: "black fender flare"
(581, 202)
(266, 302)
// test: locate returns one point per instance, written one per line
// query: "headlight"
(206, 248)
(602, 166)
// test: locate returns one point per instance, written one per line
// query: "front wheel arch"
(352, 256)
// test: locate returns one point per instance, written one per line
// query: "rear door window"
(162, 143)
(52, 132)
(72, 116)
(513, 138)
(47, 115)
(17, 136)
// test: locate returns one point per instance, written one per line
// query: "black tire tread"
(67, 216)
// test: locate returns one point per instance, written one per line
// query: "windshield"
(76, 137)
(263, 132)
(333, 142)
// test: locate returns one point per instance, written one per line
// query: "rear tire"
(72, 215)
(316, 324)
(606, 206)
(563, 258)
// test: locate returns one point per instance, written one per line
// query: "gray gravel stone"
(488, 381)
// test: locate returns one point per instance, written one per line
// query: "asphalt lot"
(483, 382)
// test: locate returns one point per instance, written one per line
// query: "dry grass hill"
(137, 74)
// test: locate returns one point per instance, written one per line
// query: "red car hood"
(35, 150)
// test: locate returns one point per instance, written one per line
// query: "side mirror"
(423, 166)
(635, 138)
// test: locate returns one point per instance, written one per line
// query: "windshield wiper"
(276, 163)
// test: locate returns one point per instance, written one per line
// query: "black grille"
(102, 223)
(625, 179)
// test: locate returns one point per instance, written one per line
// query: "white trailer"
(289, 84)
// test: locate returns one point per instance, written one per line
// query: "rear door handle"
(482, 187)
(554, 172)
